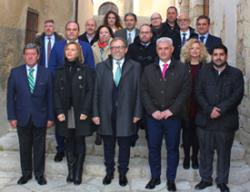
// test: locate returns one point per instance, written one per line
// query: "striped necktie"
(129, 38)
(118, 73)
(31, 79)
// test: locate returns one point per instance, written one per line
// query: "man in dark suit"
(165, 87)
(171, 24)
(30, 110)
(117, 107)
(219, 91)
(130, 32)
(46, 41)
(71, 34)
(202, 28)
(89, 35)
(184, 33)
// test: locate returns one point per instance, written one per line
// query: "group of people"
(164, 77)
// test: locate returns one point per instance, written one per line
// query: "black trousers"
(190, 138)
(109, 143)
(209, 142)
(31, 137)
(75, 143)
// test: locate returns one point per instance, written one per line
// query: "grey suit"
(123, 34)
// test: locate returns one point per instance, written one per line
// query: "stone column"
(243, 61)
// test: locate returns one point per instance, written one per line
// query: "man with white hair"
(164, 104)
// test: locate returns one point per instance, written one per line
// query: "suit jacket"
(39, 40)
(128, 98)
(224, 91)
(22, 105)
(122, 33)
(177, 42)
(57, 55)
(170, 92)
(212, 41)
(83, 37)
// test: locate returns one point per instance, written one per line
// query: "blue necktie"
(202, 38)
(183, 39)
(118, 73)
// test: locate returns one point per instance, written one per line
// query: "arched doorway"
(107, 6)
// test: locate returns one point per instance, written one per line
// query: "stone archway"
(107, 6)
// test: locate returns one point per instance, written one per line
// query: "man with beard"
(219, 91)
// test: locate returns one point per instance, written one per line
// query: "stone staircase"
(94, 169)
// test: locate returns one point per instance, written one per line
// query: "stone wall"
(12, 35)
(243, 58)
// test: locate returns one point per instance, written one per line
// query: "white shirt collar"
(161, 63)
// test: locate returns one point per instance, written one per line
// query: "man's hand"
(96, 120)
(136, 119)
(83, 117)
(61, 117)
(49, 124)
(13, 123)
(157, 115)
(215, 113)
(167, 113)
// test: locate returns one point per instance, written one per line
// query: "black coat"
(224, 91)
(83, 37)
(82, 91)
(141, 54)
(129, 103)
(211, 42)
(168, 93)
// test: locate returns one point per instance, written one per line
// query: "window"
(31, 25)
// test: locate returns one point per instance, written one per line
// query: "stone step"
(138, 168)
(9, 142)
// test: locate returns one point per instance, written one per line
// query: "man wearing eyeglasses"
(117, 107)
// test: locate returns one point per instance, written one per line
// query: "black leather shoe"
(123, 181)
(41, 180)
(59, 156)
(203, 185)
(186, 163)
(153, 182)
(107, 179)
(171, 186)
(223, 187)
(23, 180)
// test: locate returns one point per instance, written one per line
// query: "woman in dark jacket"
(194, 54)
(73, 93)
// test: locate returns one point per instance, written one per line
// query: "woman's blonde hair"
(185, 52)
(79, 50)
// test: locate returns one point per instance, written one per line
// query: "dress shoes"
(41, 180)
(171, 186)
(203, 185)
(223, 187)
(123, 181)
(107, 179)
(59, 156)
(153, 182)
(24, 179)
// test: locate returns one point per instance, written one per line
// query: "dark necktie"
(48, 49)
(183, 39)
(202, 38)
(129, 38)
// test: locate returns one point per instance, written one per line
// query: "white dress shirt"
(132, 34)
(187, 36)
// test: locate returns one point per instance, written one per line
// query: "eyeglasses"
(155, 18)
(117, 48)
(182, 20)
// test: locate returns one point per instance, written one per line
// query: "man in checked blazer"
(30, 110)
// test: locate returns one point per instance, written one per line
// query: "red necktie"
(165, 68)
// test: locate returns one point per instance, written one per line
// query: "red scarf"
(102, 45)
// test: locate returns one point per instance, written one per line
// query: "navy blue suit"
(32, 111)
(211, 42)
(57, 55)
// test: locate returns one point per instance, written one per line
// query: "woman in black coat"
(195, 55)
(73, 93)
